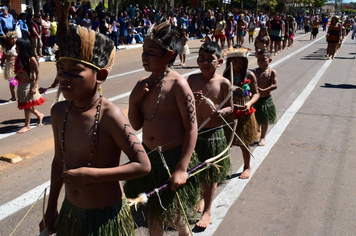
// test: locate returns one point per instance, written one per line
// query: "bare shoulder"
(112, 114)
(251, 75)
(177, 79)
(143, 79)
(273, 72)
(60, 107)
(223, 81)
(194, 77)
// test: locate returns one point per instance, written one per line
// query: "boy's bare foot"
(200, 207)
(262, 142)
(245, 174)
(40, 118)
(204, 220)
(11, 100)
(23, 130)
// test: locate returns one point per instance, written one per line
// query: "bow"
(143, 197)
(211, 104)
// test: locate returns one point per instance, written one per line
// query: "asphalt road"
(303, 180)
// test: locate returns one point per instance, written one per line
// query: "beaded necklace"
(161, 79)
(95, 132)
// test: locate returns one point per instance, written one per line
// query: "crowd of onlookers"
(132, 23)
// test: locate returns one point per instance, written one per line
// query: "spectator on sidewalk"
(100, 10)
(86, 22)
(7, 22)
(46, 26)
(114, 32)
(35, 35)
(123, 19)
(53, 32)
(133, 34)
(23, 25)
(95, 23)
(47, 8)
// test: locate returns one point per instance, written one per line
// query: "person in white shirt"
(86, 22)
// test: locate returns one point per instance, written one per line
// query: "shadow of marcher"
(339, 86)
(16, 124)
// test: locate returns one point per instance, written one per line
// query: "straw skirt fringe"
(247, 127)
(115, 220)
(265, 111)
(27, 100)
(209, 144)
(188, 193)
(9, 70)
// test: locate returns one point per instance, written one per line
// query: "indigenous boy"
(163, 105)
(211, 141)
(266, 82)
(89, 133)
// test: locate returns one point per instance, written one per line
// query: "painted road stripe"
(24, 200)
(223, 201)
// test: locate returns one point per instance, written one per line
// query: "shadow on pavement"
(339, 86)
(16, 124)
(317, 55)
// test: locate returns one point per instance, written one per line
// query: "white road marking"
(24, 200)
(223, 201)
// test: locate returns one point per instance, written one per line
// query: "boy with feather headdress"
(163, 105)
(89, 134)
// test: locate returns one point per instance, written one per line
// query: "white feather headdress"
(236, 52)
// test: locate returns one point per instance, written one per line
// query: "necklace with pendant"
(95, 130)
(161, 79)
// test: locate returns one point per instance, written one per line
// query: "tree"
(36, 6)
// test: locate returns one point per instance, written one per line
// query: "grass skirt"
(247, 127)
(265, 111)
(188, 194)
(209, 144)
(115, 220)
(9, 71)
(315, 31)
(27, 100)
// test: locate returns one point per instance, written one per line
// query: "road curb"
(12, 158)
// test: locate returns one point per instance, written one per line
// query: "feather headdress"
(11, 34)
(84, 45)
(236, 52)
(158, 33)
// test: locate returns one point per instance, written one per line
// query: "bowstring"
(33, 204)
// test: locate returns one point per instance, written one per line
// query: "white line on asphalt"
(223, 201)
(5, 135)
(24, 200)
(228, 196)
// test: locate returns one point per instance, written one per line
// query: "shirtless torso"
(265, 80)
(106, 154)
(166, 119)
(216, 89)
